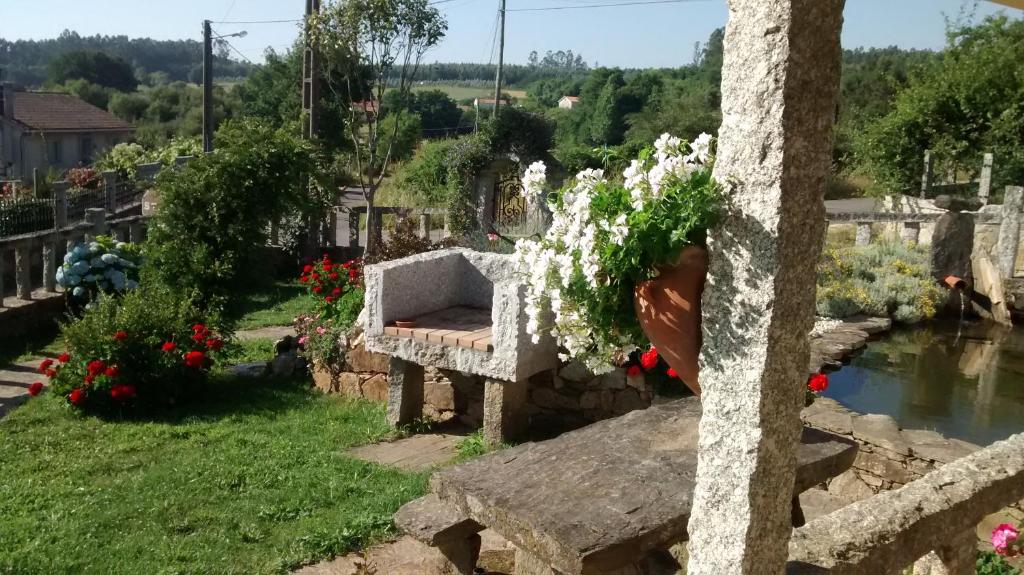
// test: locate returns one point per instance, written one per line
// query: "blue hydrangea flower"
(97, 263)
(80, 268)
(68, 257)
(60, 275)
(72, 279)
(109, 259)
(78, 292)
(80, 251)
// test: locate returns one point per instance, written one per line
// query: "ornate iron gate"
(509, 203)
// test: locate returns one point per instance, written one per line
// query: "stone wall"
(565, 399)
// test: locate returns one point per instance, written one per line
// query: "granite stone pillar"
(405, 392)
(49, 269)
(780, 82)
(23, 271)
(1009, 231)
(910, 232)
(863, 234)
(985, 181)
(504, 410)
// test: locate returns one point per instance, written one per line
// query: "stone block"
(348, 384)
(504, 410)
(615, 379)
(358, 359)
(627, 400)
(883, 467)
(849, 486)
(551, 399)
(881, 430)
(575, 371)
(637, 382)
(405, 392)
(840, 422)
(440, 395)
(375, 388)
(324, 380)
(590, 400)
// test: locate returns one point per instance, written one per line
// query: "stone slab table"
(469, 316)
(599, 499)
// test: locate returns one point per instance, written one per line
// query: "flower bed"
(337, 293)
(147, 348)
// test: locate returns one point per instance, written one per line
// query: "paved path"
(416, 453)
(14, 382)
(273, 332)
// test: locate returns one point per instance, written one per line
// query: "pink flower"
(1003, 537)
(492, 237)
(303, 340)
(321, 329)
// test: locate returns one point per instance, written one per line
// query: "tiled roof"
(571, 98)
(51, 112)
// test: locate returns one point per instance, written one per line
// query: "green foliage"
(439, 114)
(94, 67)
(252, 479)
(126, 157)
(886, 279)
(216, 208)
(959, 106)
(403, 131)
(126, 335)
(606, 124)
(404, 242)
(86, 91)
(420, 182)
(174, 110)
(988, 563)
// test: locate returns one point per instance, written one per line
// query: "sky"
(631, 36)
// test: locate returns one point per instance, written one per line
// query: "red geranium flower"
(195, 359)
(336, 292)
(51, 373)
(96, 367)
(45, 365)
(317, 289)
(307, 269)
(198, 337)
(315, 276)
(168, 346)
(122, 391)
(817, 382)
(347, 264)
(672, 373)
(89, 379)
(215, 344)
(198, 327)
(633, 370)
(304, 279)
(112, 371)
(333, 275)
(353, 273)
(120, 335)
(64, 357)
(77, 396)
(329, 299)
(35, 388)
(649, 359)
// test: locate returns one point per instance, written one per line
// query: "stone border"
(830, 348)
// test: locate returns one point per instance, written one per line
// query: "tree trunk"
(373, 226)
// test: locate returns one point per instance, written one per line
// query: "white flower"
(534, 180)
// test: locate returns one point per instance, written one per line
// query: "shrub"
(988, 563)
(102, 266)
(215, 209)
(404, 242)
(148, 348)
(84, 179)
(337, 291)
(886, 279)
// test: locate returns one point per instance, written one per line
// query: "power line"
(611, 5)
(230, 8)
(237, 51)
(249, 22)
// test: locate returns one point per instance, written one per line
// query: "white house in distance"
(47, 130)
(568, 102)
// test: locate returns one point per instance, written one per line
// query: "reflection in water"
(964, 381)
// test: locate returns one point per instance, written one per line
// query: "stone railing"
(423, 218)
(929, 523)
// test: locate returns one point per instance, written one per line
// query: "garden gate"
(509, 203)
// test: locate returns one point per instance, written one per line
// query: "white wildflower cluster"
(571, 248)
(96, 266)
(533, 181)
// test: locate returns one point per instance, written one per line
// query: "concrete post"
(863, 234)
(60, 206)
(97, 220)
(425, 226)
(1009, 231)
(926, 175)
(136, 232)
(504, 410)
(447, 226)
(110, 187)
(405, 392)
(985, 182)
(353, 229)
(780, 81)
(910, 232)
(49, 262)
(23, 271)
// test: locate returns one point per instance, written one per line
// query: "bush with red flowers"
(337, 292)
(817, 383)
(656, 371)
(149, 348)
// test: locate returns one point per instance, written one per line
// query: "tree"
(606, 123)
(368, 42)
(95, 68)
(968, 102)
(438, 113)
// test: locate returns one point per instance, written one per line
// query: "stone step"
(416, 453)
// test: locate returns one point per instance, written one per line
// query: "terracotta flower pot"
(668, 308)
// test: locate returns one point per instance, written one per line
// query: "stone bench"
(599, 499)
(454, 296)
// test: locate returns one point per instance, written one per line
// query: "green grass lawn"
(250, 479)
(272, 305)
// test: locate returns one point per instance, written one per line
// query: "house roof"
(1010, 3)
(367, 106)
(53, 112)
(571, 98)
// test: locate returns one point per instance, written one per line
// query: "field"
(462, 92)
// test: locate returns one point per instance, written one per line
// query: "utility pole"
(310, 78)
(501, 60)
(207, 88)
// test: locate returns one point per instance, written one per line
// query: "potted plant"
(624, 260)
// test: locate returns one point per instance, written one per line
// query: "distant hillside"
(26, 61)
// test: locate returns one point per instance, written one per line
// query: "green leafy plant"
(149, 348)
(988, 563)
(607, 236)
(337, 294)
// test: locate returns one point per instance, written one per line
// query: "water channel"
(962, 379)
